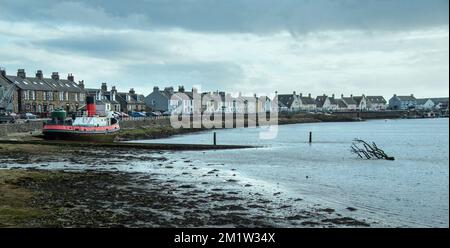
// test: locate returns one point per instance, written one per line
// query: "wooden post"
(310, 137)
(214, 138)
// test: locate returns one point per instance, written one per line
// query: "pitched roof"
(348, 100)
(422, 101)
(376, 99)
(440, 100)
(333, 101)
(307, 100)
(341, 103)
(286, 100)
(358, 99)
(320, 101)
(406, 98)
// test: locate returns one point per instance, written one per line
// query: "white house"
(376, 103)
(288, 102)
(307, 103)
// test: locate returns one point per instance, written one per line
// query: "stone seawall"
(131, 123)
(372, 114)
(25, 127)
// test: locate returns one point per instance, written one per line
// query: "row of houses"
(40, 95)
(411, 102)
(183, 101)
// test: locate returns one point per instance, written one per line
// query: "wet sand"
(95, 197)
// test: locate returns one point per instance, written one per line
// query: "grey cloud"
(254, 16)
(210, 75)
(108, 46)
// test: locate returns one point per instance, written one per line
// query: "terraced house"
(39, 95)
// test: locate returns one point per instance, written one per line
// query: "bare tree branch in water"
(368, 151)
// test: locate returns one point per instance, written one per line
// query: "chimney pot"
(104, 87)
(21, 73)
(39, 74)
(55, 76)
(309, 95)
(155, 89)
(70, 77)
(81, 84)
(3, 71)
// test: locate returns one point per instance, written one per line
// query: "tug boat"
(89, 127)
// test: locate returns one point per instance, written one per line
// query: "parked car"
(121, 114)
(29, 116)
(138, 114)
(166, 113)
(152, 114)
(7, 118)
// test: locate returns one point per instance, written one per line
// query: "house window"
(66, 96)
(26, 95)
(50, 95)
(44, 96)
(82, 97)
(76, 97)
(61, 96)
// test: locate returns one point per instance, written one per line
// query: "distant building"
(350, 103)
(39, 95)
(130, 101)
(168, 100)
(361, 102)
(402, 102)
(288, 102)
(326, 103)
(307, 103)
(432, 103)
(376, 103)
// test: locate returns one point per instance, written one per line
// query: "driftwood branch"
(368, 151)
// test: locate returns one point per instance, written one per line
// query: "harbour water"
(412, 191)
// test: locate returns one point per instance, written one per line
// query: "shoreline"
(88, 190)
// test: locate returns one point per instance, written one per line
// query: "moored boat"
(89, 127)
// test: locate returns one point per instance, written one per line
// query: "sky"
(372, 47)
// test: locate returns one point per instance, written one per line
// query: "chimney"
(39, 74)
(132, 92)
(181, 89)
(276, 93)
(104, 87)
(55, 76)
(395, 95)
(332, 95)
(309, 95)
(81, 84)
(169, 90)
(21, 73)
(294, 92)
(70, 77)
(412, 95)
(351, 95)
(342, 95)
(155, 89)
(194, 90)
(113, 89)
(301, 94)
(3, 72)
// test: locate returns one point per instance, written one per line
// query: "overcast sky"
(376, 47)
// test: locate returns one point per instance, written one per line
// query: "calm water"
(411, 191)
